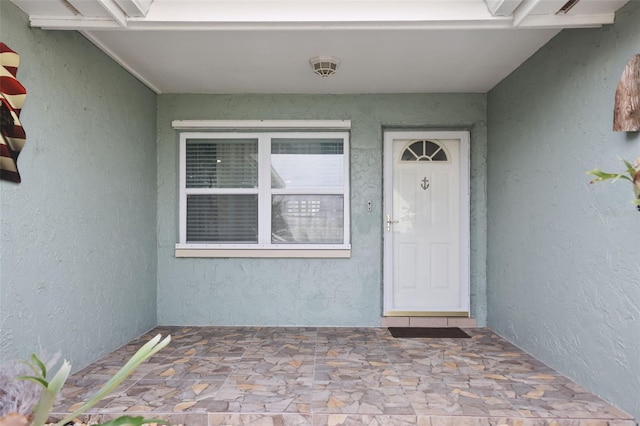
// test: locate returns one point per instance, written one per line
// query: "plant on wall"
(27, 400)
(631, 174)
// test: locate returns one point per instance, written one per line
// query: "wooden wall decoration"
(12, 96)
(626, 112)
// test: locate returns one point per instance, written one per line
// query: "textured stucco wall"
(77, 236)
(563, 264)
(336, 292)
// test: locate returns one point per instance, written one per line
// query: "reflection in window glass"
(307, 163)
(310, 219)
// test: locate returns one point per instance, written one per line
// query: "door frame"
(465, 213)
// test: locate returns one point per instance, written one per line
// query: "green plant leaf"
(133, 421)
(36, 366)
(57, 382)
(630, 169)
(38, 380)
(602, 176)
(48, 396)
(145, 352)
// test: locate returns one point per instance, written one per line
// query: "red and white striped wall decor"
(12, 96)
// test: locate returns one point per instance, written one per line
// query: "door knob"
(390, 222)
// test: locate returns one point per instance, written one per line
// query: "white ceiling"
(264, 46)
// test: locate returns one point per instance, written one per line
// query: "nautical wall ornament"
(12, 96)
(425, 183)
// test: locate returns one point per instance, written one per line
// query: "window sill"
(333, 253)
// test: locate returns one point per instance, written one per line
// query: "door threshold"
(444, 321)
(445, 314)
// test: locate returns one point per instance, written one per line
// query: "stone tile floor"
(337, 376)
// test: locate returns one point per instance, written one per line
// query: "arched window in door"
(425, 150)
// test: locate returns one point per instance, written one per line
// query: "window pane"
(432, 148)
(440, 156)
(222, 218)
(219, 163)
(418, 148)
(307, 163)
(408, 155)
(309, 219)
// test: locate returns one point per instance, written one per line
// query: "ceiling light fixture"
(324, 66)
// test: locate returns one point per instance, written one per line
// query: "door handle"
(390, 222)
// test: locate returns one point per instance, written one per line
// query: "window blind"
(222, 163)
(222, 218)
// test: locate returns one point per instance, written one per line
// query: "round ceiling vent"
(324, 66)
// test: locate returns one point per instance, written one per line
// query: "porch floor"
(316, 376)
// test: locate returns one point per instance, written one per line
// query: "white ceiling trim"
(567, 21)
(72, 23)
(48, 23)
(530, 21)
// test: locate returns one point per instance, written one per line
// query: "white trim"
(465, 211)
(465, 219)
(264, 197)
(261, 124)
(567, 21)
(220, 191)
(143, 24)
(182, 193)
(72, 23)
(387, 201)
(265, 253)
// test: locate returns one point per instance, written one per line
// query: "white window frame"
(264, 132)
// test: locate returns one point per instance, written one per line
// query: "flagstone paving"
(211, 376)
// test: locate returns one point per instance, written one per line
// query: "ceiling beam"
(135, 8)
(502, 7)
(530, 8)
(114, 10)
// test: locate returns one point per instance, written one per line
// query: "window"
(269, 191)
(425, 150)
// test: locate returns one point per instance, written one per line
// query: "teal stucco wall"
(330, 292)
(563, 264)
(77, 236)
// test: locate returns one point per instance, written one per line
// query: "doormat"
(428, 332)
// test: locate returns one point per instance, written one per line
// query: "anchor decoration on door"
(425, 183)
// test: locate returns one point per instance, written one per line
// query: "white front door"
(426, 223)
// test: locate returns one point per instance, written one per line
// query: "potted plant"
(27, 399)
